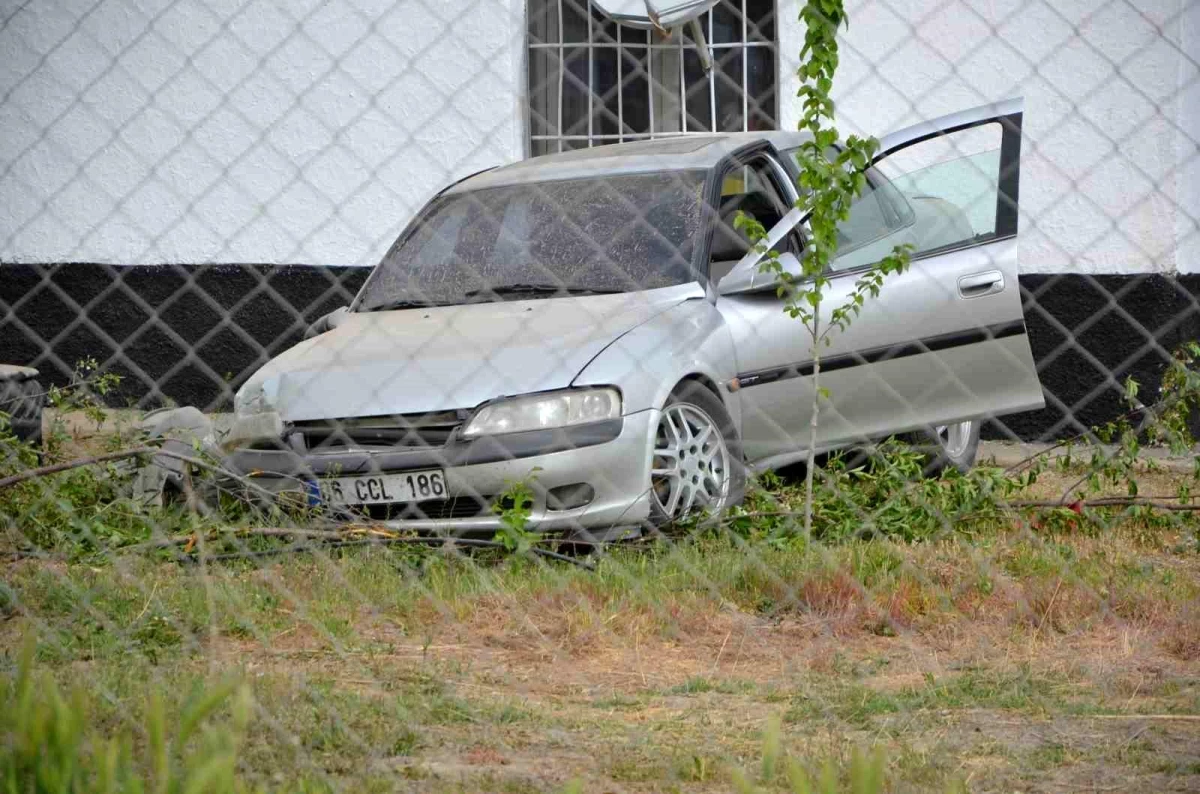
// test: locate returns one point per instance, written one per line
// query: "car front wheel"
(696, 463)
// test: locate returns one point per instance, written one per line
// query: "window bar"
(561, 68)
(620, 88)
(683, 114)
(591, 56)
(745, 71)
(600, 137)
(712, 74)
(650, 76)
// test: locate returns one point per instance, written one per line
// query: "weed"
(693, 686)
(1049, 755)
(699, 685)
(52, 744)
(696, 768)
(1183, 640)
(447, 709)
(514, 507)
(618, 700)
(864, 774)
(509, 714)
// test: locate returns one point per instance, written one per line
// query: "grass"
(374, 669)
(990, 653)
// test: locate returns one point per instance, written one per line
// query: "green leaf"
(203, 707)
(798, 778)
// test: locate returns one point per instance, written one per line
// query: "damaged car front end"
(426, 471)
(454, 377)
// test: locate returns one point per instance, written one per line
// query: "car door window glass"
(750, 188)
(876, 223)
(879, 220)
(866, 222)
(899, 211)
(952, 182)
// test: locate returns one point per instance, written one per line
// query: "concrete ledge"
(1009, 453)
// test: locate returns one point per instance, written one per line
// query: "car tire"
(690, 408)
(22, 401)
(952, 446)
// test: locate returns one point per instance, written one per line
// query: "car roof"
(678, 152)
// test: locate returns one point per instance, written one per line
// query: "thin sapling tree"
(832, 175)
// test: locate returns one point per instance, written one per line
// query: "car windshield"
(598, 234)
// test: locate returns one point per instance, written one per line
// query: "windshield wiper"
(402, 304)
(504, 289)
(537, 289)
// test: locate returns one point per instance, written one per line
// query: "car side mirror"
(747, 278)
(326, 322)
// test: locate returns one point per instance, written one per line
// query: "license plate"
(378, 489)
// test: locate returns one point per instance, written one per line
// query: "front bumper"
(613, 457)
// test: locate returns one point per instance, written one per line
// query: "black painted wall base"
(188, 335)
(191, 335)
(1089, 334)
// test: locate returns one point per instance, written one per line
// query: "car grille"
(457, 507)
(425, 430)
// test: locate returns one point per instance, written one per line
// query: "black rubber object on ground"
(21, 400)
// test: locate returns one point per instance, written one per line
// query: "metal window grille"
(595, 82)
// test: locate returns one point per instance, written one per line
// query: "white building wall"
(267, 131)
(302, 131)
(1187, 153)
(1110, 128)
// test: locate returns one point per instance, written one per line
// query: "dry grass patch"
(990, 661)
(1182, 636)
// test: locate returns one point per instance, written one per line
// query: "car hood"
(451, 357)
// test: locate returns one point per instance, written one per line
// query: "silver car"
(591, 323)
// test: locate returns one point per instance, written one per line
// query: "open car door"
(943, 342)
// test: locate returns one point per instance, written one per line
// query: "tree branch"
(55, 468)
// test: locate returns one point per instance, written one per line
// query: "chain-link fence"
(533, 513)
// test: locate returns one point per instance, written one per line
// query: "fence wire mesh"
(530, 514)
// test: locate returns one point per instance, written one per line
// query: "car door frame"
(787, 225)
(712, 193)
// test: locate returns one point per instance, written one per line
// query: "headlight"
(545, 411)
(251, 400)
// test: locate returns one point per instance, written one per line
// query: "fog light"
(569, 497)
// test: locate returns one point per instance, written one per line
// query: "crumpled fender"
(187, 432)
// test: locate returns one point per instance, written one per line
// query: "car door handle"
(977, 285)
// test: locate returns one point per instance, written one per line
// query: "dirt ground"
(984, 706)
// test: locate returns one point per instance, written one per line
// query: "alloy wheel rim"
(954, 438)
(690, 464)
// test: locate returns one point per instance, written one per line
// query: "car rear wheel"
(952, 446)
(696, 463)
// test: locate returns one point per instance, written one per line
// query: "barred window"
(593, 82)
